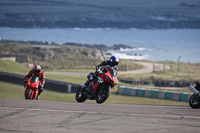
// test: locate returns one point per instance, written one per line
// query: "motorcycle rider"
(37, 71)
(197, 85)
(112, 62)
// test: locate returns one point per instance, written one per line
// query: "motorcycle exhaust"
(194, 90)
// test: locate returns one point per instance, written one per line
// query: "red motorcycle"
(31, 91)
(99, 89)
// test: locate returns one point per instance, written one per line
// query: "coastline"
(125, 51)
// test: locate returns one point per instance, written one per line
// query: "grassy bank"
(186, 72)
(13, 91)
(17, 91)
(56, 57)
(13, 67)
(179, 72)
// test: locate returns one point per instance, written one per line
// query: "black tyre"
(28, 96)
(194, 101)
(103, 94)
(38, 97)
(80, 95)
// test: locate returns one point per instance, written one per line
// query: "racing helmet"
(37, 69)
(114, 61)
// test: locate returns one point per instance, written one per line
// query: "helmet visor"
(115, 63)
(37, 71)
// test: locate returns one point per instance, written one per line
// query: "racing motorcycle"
(194, 101)
(31, 91)
(99, 88)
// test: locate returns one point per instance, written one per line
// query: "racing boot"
(40, 91)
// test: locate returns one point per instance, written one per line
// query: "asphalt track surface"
(27, 116)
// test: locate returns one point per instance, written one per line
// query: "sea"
(148, 44)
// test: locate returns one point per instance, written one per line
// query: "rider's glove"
(197, 82)
(41, 89)
(40, 86)
(99, 70)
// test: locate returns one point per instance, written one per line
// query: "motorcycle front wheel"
(80, 95)
(28, 95)
(194, 101)
(103, 94)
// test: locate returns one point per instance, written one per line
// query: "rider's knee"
(90, 76)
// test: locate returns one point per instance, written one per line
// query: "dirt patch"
(147, 68)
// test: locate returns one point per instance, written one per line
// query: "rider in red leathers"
(36, 71)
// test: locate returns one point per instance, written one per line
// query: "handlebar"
(100, 70)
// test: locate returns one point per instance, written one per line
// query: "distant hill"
(103, 47)
(55, 56)
(142, 14)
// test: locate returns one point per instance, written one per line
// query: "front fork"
(25, 91)
(193, 89)
(35, 94)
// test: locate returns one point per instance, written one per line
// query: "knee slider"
(90, 76)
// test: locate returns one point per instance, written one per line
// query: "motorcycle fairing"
(102, 78)
(35, 94)
(116, 81)
(93, 86)
(32, 86)
(91, 90)
(109, 78)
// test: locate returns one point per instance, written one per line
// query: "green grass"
(187, 72)
(125, 65)
(67, 78)
(115, 98)
(13, 67)
(14, 91)
(70, 70)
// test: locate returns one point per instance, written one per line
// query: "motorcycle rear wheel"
(80, 95)
(102, 95)
(194, 101)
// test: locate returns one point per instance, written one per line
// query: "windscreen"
(34, 79)
(113, 72)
